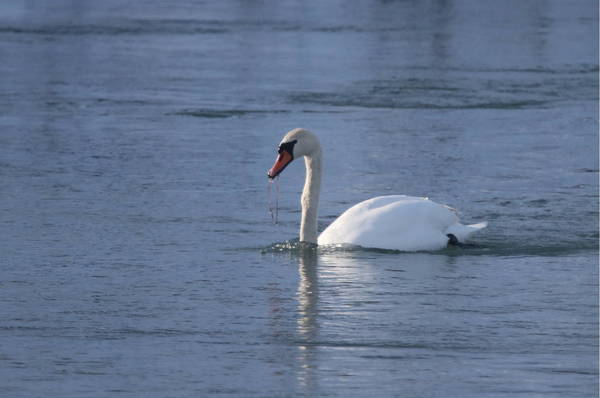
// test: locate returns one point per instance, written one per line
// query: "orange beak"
(283, 159)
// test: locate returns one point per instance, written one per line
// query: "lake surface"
(138, 256)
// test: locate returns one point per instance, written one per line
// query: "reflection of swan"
(308, 293)
(308, 308)
(394, 222)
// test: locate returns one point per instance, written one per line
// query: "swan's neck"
(310, 198)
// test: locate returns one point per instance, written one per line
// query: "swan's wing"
(392, 222)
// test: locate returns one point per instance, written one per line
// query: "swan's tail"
(462, 232)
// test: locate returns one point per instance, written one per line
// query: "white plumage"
(397, 222)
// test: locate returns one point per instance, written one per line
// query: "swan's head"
(295, 144)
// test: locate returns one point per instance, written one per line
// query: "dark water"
(138, 256)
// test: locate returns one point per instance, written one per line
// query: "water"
(138, 254)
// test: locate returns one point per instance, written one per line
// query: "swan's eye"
(288, 147)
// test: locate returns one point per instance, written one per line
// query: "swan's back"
(397, 222)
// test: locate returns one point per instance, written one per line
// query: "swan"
(394, 222)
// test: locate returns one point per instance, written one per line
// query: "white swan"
(395, 222)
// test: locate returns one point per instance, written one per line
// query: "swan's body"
(394, 222)
(397, 222)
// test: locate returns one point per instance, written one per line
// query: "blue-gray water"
(138, 258)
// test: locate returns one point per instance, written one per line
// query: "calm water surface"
(138, 255)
